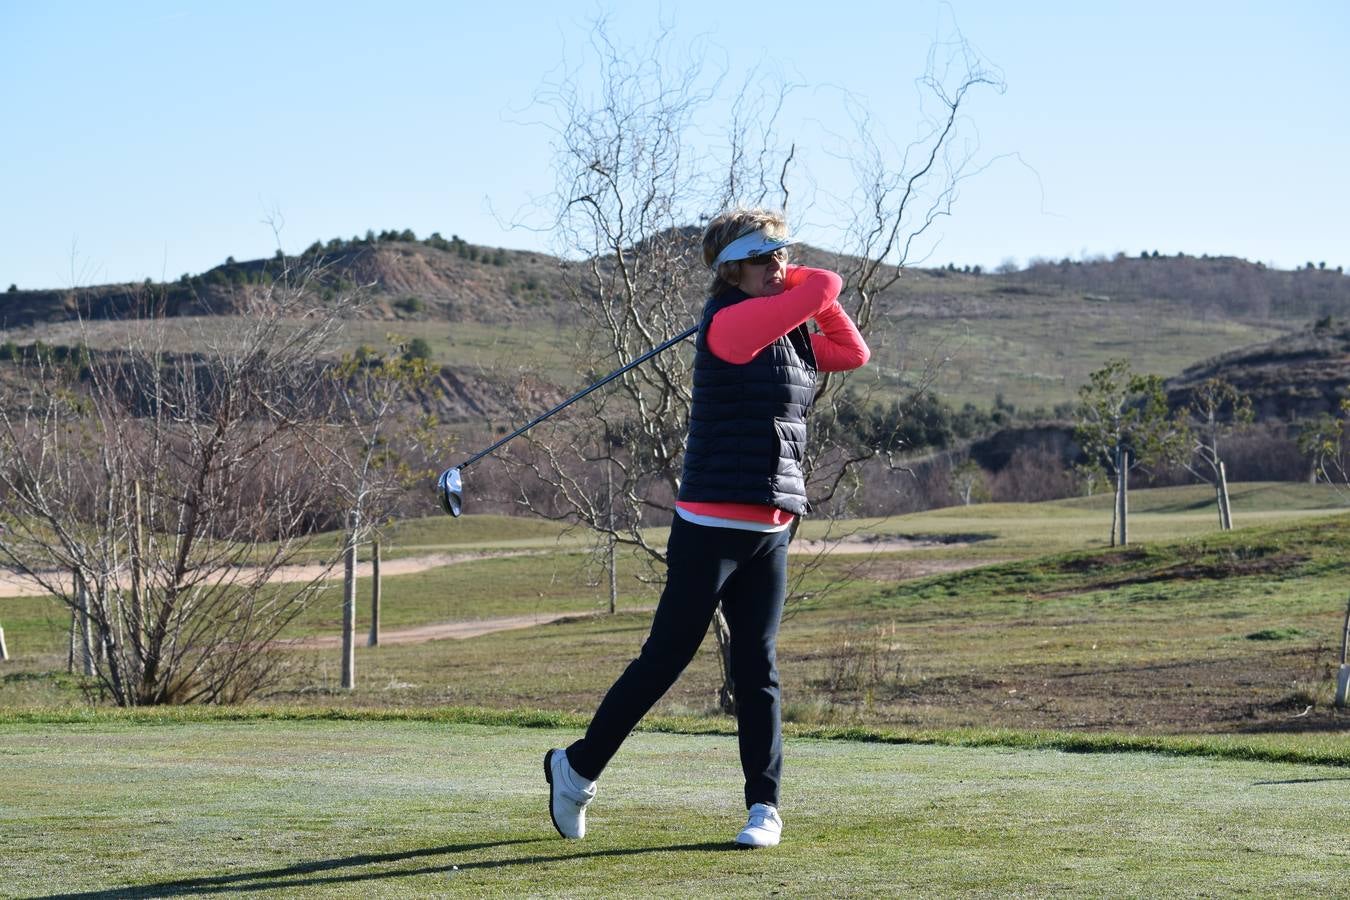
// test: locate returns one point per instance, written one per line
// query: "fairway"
(407, 808)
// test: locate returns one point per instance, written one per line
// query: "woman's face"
(762, 276)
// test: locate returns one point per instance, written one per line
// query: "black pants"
(747, 571)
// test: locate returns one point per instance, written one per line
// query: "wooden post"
(349, 609)
(374, 640)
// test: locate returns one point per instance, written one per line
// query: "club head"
(450, 490)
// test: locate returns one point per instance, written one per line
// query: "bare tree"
(900, 193)
(1324, 441)
(634, 185)
(968, 482)
(1217, 410)
(628, 180)
(371, 439)
(159, 493)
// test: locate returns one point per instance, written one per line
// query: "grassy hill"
(1296, 376)
(1007, 615)
(489, 314)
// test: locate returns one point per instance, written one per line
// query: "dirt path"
(421, 634)
(897, 571)
(12, 584)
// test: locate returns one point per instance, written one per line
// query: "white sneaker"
(568, 795)
(764, 828)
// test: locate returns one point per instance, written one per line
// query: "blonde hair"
(731, 225)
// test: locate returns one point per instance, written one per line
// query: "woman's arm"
(839, 346)
(738, 333)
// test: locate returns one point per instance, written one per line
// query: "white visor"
(756, 243)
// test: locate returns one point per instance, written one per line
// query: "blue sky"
(150, 139)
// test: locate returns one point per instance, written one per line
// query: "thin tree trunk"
(374, 640)
(1123, 498)
(1225, 508)
(726, 694)
(4, 651)
(1343, 676)
(115, 671)
(1115, 505)
(87, 639)
(613, 561)
(1345, 636)
(613, 576)
(349, 610)
(137, 571)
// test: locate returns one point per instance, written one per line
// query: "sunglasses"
(777, 256)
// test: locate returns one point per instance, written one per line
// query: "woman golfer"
(755, 368)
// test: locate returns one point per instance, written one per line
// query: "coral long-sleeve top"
(740, 332)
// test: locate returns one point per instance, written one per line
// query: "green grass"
(499, 351)
(484, 589)
(477, 532)
(1315, 749)
(419, 808)
(1064, 719)
(1037, 349)
(1053, 631)
(1020, 530)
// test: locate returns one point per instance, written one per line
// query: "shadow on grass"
(1317, 722)
(291, 876)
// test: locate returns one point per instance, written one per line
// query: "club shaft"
(577, 396)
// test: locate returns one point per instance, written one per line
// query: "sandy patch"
(13, 584)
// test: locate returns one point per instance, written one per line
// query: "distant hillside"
(1221, 285)
(452, 281)
(1298, 376)
(457, 281)
(1031, 336)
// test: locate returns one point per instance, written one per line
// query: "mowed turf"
(408, 808)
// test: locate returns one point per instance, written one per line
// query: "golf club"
(450, 486)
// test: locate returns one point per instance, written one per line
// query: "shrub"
(417, 348)
(864, 664)
(1032, 475)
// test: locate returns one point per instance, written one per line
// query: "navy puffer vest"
(747, 423)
